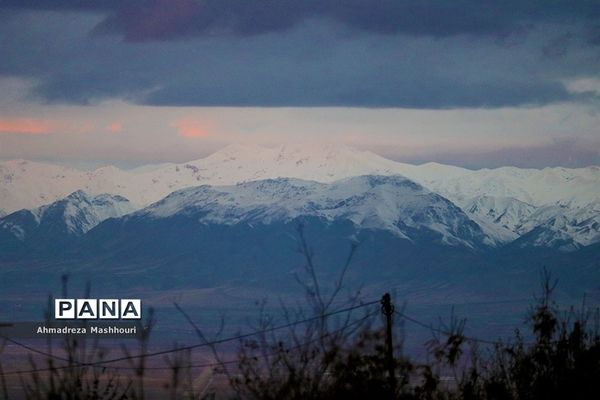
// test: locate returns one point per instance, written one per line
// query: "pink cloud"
(191, 128)
(27, 126)
(115, 127)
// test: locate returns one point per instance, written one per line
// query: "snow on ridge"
(507, 212)
(393, 203)
(78, 213)
(82, 212)
(579, 225)
(548, 225)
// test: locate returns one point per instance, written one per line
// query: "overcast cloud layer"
(410, 54)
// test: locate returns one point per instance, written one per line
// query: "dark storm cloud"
(429, 93)
(167, 19)
(141, 20)
(413, 54)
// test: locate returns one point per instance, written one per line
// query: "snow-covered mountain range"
(555, 207)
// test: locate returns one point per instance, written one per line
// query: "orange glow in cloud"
(115, 127)
(27, 126)
(191, 128)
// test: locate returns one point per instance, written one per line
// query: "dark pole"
(388, 309)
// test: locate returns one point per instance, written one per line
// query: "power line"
(102, 364)
(238, 337)
(33, 349)
(299, 346)
(445, 332)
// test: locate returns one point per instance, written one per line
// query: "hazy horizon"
(472, 161)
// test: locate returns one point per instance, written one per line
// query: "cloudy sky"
(478, 83)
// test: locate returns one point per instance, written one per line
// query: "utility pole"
(387, 309)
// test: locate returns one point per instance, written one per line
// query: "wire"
(33, 349)
(102, 364)
(445, 332)
(299, 346)
(238, 337)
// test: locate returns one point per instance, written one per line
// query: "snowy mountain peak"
(321, 163)
(77, 196)
(74, 215)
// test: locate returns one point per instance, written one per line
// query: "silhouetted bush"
(562, 362)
